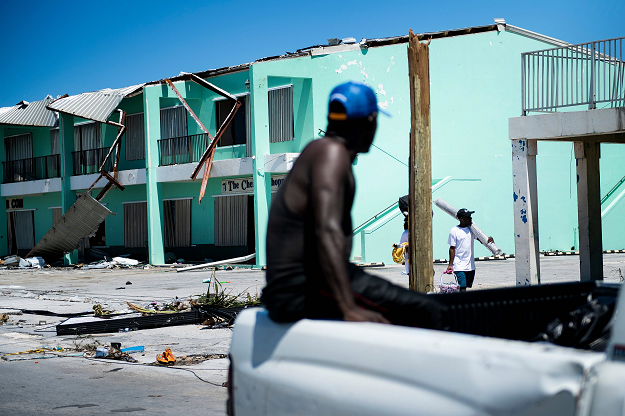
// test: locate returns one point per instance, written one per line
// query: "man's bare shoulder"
(327, 150)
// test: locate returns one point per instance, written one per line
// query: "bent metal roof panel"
(96, 105)
(80, 221)
(29, 114)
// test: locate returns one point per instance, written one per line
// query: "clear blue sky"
(77, 46)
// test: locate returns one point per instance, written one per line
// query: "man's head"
(464, 216)
(352, 115)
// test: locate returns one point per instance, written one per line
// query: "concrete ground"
(75, 291)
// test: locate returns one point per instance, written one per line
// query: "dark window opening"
(236, 132)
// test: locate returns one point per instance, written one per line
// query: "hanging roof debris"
(96, 105)
(30, 114)
(80, 221)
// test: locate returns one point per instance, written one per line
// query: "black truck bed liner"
(519, 313)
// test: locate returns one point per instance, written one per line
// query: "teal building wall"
(475, 84)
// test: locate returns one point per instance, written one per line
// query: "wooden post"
(420, 189)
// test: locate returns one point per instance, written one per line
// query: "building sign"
(237, 186)
(15, 203)
(276, 182)
(246, 185)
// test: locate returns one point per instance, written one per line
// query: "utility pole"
(420, 190)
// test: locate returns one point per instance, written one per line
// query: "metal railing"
(591, 74)
(185, 149)
(42, 167)
(87, 162)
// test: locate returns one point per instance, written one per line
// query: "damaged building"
(54, 150)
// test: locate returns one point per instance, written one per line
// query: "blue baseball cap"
(357, 98)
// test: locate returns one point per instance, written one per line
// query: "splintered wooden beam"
(420, 181)
(211, 150)
(111, 181)
(209, 153)
(116, 142)
(212, 87)
(214, 142)
(184, 103)
(207, 169)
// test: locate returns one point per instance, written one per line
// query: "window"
(177, 222)
(173, 122)
(57, 213)
(88, 152)
(18, 147)
(55, 150)
(136, 224)
(55, 142)
(281, 114)
(236, 132)
(174, 144)
(231, 220)
(87, 136)
(19, 162)
(135, 137)
(20, 230)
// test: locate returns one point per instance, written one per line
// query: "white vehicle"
(321, 367)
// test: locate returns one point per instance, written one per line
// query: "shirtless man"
(309, 236)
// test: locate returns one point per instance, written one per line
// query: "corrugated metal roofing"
(30, 114)
(96, 105)
(80, 221)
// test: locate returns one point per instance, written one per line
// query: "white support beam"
(589, 211)
(525, 212)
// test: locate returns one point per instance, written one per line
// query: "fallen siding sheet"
(29, 114)
(80, 221)
(97, 105)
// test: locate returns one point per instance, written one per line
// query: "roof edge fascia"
(535, 36)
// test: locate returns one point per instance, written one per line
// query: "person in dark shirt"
(309, 235)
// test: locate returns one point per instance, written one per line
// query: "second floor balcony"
(179, 150)
(89, 161)
(588, 75)
(31, 169)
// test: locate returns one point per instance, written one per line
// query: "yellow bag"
(399, 253)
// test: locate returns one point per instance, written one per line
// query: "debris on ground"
(220, 298)
(116, 262)
(139, 348)
(43, 352)
(98, 310)
(4, 318)
(194, 359)
(24, 263)
(167, 357)
(110, 353)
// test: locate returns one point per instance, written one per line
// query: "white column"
(589, 211)
(525, 195)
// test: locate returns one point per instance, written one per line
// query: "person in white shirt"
(461, 257)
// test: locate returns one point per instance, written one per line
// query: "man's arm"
(452, 255)
(330, 176)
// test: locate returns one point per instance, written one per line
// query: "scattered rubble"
(27, 263)
(116, 262)
(194, 359)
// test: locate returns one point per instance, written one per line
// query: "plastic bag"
(452, 287)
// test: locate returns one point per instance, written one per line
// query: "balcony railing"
(87, 162)
(42, 167)
(591, 74)
(178, 150)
